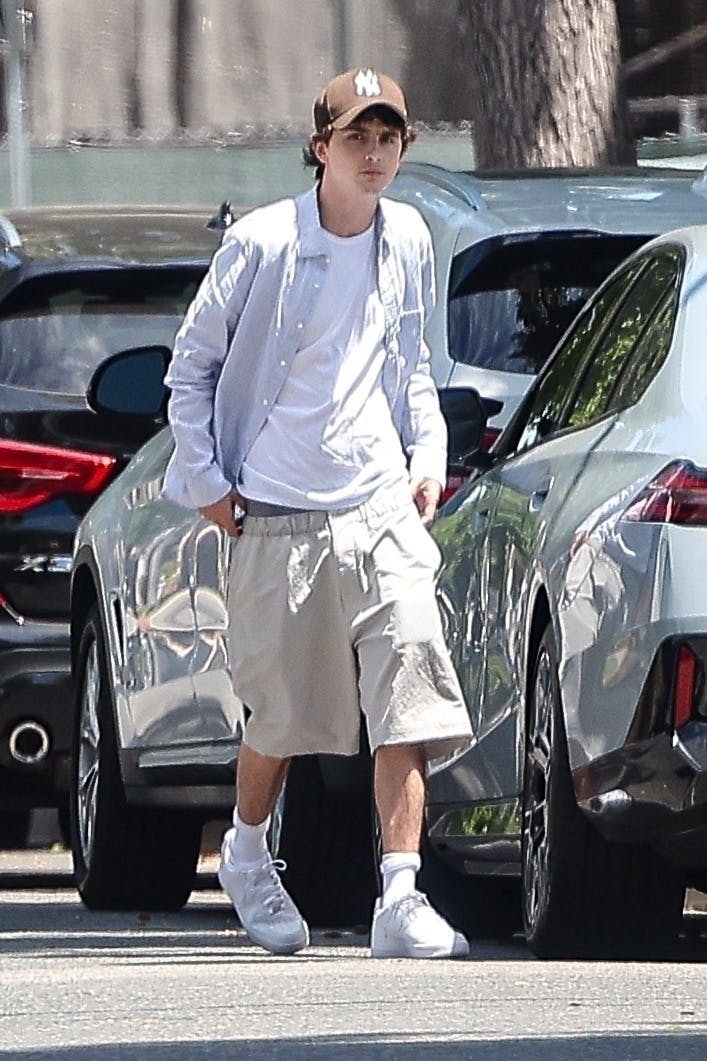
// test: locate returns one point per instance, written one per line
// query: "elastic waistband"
(265, 509)
(266, 520)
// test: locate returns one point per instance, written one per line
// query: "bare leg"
(399, 783)
(258, 781)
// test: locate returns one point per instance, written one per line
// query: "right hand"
(221, 512)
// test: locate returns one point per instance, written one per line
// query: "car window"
(611, 354)
(545, 408)
(511, 300)
(55, 329)
(649, 354)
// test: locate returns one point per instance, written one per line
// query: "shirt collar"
(312, 233)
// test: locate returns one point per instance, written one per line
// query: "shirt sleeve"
(200, 349)
(424, 433)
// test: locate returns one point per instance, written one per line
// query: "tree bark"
(545, 83)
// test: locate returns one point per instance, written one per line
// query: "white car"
(518, 254)
(575, 597)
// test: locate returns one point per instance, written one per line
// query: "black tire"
(64, 822)
(582, 895)
(480, 907)
(14, 828)
(325, 842)
(125, 858)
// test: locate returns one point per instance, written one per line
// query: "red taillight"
(31, 474)
(684, 691)
(489, 437)
(454, 481)
(677, 495)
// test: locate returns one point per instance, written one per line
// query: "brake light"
(677, 495)
(455, 479)
(684, 691)
(489, 437)
(31, 474)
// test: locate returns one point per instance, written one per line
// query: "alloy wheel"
(88, 766)
(538, 771)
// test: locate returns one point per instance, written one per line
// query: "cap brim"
(354, 112)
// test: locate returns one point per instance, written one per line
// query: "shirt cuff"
(209, 488)
(427, 465)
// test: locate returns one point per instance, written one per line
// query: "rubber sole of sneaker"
(287, 947)
(389, 949)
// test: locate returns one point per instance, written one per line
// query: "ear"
(320, 151)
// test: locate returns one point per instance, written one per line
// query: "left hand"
(426, 494)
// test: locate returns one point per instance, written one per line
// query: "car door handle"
(481, 518)
(539, 496)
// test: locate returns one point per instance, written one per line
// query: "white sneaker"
(410, 928)
(264, 908)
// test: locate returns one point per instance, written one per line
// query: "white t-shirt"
(330, 441)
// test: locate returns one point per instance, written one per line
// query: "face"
(364, 156)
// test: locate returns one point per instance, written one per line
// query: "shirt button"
(265, 401)
(300, 326)
(283, 364)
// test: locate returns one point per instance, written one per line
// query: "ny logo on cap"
(367, 83)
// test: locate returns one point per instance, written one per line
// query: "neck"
(345, 216)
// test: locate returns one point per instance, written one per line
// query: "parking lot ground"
(190, 986)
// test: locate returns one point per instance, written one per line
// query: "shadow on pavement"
(685, 1045)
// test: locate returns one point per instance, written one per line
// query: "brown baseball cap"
(349, 94)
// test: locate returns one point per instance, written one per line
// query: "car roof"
(623, 201)
(108, 235)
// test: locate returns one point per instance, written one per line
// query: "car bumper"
(653, 791)
(36, 696)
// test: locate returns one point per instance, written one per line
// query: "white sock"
(399, 869)
(247, 844)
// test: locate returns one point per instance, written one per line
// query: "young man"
(301, 393)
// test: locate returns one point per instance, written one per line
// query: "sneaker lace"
(408, 905)
(274, 896)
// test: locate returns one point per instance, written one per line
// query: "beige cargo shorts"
(333, 614)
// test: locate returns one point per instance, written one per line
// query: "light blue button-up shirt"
(234, 349)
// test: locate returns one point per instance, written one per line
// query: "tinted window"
(612, 353)
(510, 305)
(545, 410)
(649, 355)
(55, 329)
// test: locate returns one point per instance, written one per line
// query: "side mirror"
(131, 383)
(466, 414)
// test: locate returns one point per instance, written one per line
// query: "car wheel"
(582, 895)
(14, 828)
(325, 842)
(125, 858)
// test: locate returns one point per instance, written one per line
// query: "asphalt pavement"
(190, 986)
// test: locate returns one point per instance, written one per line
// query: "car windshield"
(512, 300)
(55, 329)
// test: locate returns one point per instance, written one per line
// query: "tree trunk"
(545, 83)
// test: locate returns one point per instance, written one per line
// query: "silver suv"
(519, 254)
